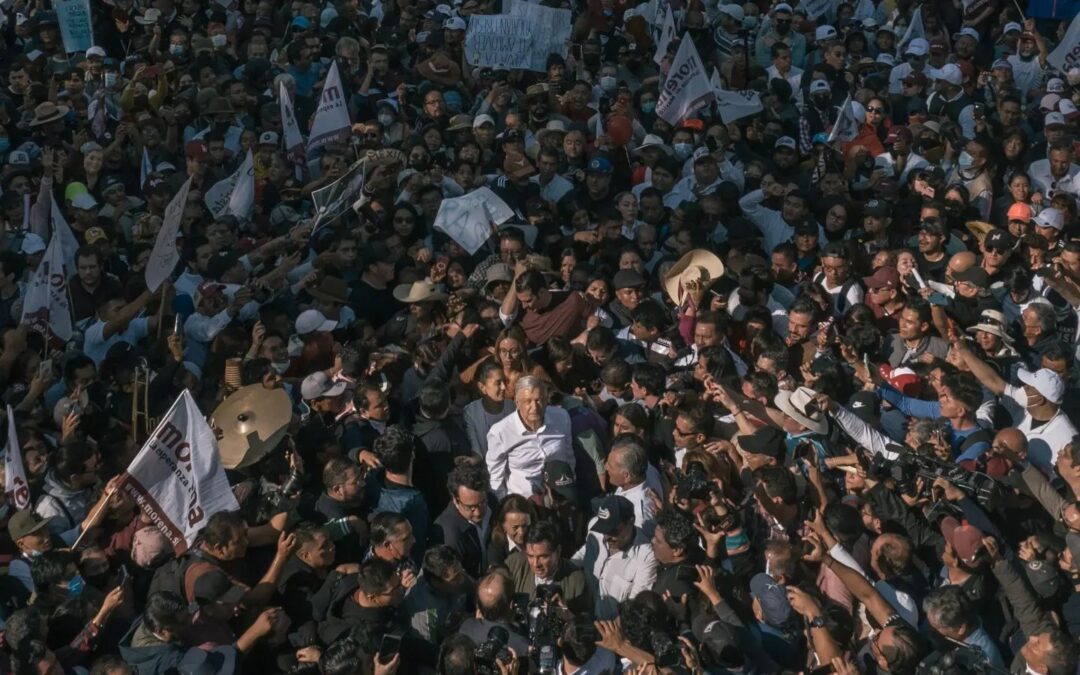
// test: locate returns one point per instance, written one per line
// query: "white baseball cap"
(1067, 108)
(950, 73)
(1049, 102)
(454, 23)
(95, 51)
(311, 321)
(918, 47)
(1054, 119)
(818, 86)
(84, 201)
(268, 138)
(1046, 382)
(825, 32)
(786, 142)
(32, 243)
(968, 31)
(319, 385)
(1049, 218)
(736, 12)
(1012, 27)
(1055, 85)
(481, 120)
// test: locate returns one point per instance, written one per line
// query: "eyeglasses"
(679, 432)
(471, 508)
(875, 110)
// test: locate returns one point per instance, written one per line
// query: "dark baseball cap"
(764, 441)
(973, 275)
(560, 478)
(628, 279)
(876, 208)
(215, 586)
(999, 240)
(773, 599)
(612, 512)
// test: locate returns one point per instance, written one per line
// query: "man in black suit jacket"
(465, 523)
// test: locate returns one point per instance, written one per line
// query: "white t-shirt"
(96, 346)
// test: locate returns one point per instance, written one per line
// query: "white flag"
(15, 486)
(145, 168)
(735, 105)
(864, 10)
(234, 195)
(294, 140)
(914, 30)
(177, 478)
(46, 305)
(1067, 55)
(469, 219)
(332, 116)
(667, 34)
(164, 257)
(686, 88)
(846, 127)
(68, 243)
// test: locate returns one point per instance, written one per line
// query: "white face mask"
(386, 119)
(683, 150)
(280, 366)
(218, 40)
(607, 83)
(110, 79)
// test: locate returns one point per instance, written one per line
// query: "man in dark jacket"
(441, 440)
(391, 488)
(341, 507)
(465, 523)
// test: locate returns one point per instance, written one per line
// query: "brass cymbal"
(250, 423)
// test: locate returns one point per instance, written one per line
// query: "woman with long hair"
(512, 520)
(509, 352)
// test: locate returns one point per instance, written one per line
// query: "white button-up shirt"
(616, 577)
(644, 513)
(516, 456)
(1045, 440)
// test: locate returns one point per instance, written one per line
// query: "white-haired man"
(519, 444)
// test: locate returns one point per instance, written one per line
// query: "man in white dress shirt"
(617, 557)
(627, 467)
(519, 444)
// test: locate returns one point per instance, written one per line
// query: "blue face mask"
(965, 160)
(5, 144)
(75, 586)
(648, 107)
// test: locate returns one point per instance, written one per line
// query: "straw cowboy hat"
(418, 291)
(331, 289)
(48, 112)
(696, 265)
(799, 405)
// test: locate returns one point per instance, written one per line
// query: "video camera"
(545, 624)
(909, 466)
(493, 651)
(964, 660)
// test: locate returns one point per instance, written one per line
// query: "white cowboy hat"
(699, 264)
(418, 291)
(795, 404)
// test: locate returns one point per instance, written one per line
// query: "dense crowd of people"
(731, 394)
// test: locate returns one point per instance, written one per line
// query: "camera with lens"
(694, 483)
(544, 621)
(666, 650)
(493, 651)
(908, 467)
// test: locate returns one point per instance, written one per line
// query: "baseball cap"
(197, 149)
(560, 478)
(972, 275)
(1046, 382)
(825, 32)
(886, 58)
(950, 73)
(1055, 85)
(1054, 119)
(969, 32)
(876, 208)
(785, 142)
(773, 599)
(1068, 109)
(95, 234)
(1019, 211)
(599, 165)
(110, 183)
(1050, 218)
(918, 47)
(209, 289)
(24, 523)
(864, 404)
(999, 239)
(965, 539)
(312, 320)
(736, 12)
(932, 226)
(454, 23)
(84, 201)
(1002, 63)
(95, 51)
(764, 441)
(883, 277)
(32, 243)
(819, 86)
(268, 138)
(782, 7)
(612, 512)
(215, 586)
(319, 385)
(481, 120)
(1048, 103)
(301, 22)
(1012, 27)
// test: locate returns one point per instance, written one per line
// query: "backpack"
(179, 574)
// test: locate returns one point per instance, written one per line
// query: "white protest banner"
(294, 140)
(469, 219)
(914, 30)
(667, 35)
(1067, 54)
(816, 8)
(15, 486)
(499, 41)
(551, 29)
(177, 479)
(331, 122)
(68, 243)
(46, 305)
(864, 10)
(735, 105)
(164, 257)
(846, 127)
(76, 28)
(686, 88)
(234, 195)
(334, 199)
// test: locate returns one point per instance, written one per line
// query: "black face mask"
(422, 164)
(592, 61)
(821, 101)
(783, 27)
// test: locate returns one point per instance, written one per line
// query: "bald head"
(493, 597)
(1013, 439)
(964, 260)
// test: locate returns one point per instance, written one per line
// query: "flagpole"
(1022, 17)
(96, 513)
